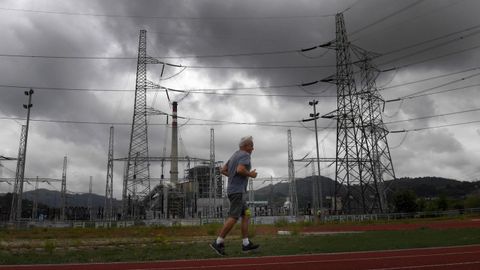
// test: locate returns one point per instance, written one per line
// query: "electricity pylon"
(347, 171)
(35, 202)
(137, 180)
(292, 191)
(63, 191)
(16, 207)
(108, 206)
(374, 132)
(361, 134)
(212, 194)
(90, 205)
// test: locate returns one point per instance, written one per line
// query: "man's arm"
(242, 170)
(224, 169)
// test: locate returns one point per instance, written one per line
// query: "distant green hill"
(428, 187)
(51, 198)
(431, 186)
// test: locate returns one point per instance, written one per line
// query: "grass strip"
(53, 253)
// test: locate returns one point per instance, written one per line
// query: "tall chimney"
(174, 154)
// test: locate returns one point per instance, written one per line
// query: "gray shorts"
(238, 205)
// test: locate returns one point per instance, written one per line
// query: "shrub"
(49, 246)
(405, 201)
(472, 201)
(212, 228)
(281, 222)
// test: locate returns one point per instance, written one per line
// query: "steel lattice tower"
(137, 181)
(292, 192)
(361, 135)
(35, 201)
(16, 206)
(348, 167)
(90, 205)
(374, 132)
(108, 206)
(213, 183)
(63, 195)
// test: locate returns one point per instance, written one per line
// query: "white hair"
(245, 141)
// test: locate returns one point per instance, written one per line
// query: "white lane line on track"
(427, 266)
(236, 258)
(308, 262)
(265, 257)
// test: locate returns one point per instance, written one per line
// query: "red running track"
(459, 257)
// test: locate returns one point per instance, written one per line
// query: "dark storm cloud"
(206, 27)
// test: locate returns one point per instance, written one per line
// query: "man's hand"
(242, 170)
(253, 173)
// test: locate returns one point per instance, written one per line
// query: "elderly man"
(238, 170)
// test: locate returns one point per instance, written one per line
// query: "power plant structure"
(171, 198)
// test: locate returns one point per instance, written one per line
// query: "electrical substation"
(362, 162)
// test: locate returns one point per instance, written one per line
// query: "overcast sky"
(431, 47)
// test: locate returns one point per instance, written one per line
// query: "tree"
(405, 201)
(421, 204)
(472, 201)
(442, 202)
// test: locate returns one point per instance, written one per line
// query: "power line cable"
(350, 7)
(432, 58)
(225, 55)
(210, 91)
(416, 94)
(239, 67)
(430, 48)
(444, 91)
(431, 40)
(397, 111)
(300, 51)
(290, 17)
(65, 88)
(429, 78)
(434, 127)
(261, 67)
(232, 54)
(161, 57)
(401, 142)
(386, 17)
(253, 95)
(422, 16)
(210, 122)
(70, 57)
(432, 116)
(265, 87)
(385, 84)
(155, 86)
(169, 64)
(187, 92)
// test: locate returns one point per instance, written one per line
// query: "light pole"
(314, 116)
(24, 150)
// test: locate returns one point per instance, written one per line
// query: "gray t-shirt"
(236, 182)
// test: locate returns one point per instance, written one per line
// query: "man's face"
(249, 148)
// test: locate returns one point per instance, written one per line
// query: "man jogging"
(238, 170)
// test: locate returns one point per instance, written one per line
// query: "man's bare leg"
(245, 221)
(227, 227)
